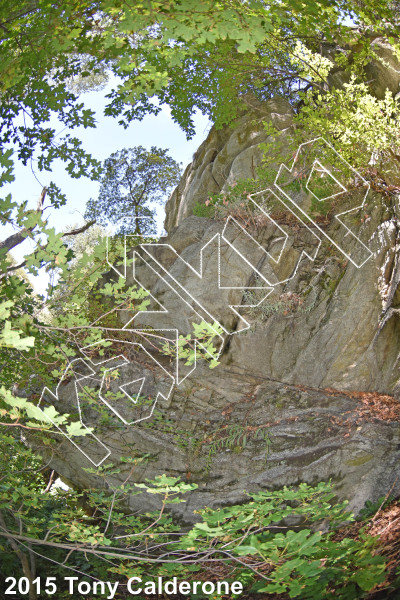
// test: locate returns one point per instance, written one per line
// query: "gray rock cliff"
(309, 391)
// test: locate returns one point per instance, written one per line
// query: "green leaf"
(77, 429)
(367, 578)
(12, 338)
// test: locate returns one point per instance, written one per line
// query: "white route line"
(187, 298)
(337, 217)
(46, 390)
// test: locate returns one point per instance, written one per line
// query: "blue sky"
(108, 137)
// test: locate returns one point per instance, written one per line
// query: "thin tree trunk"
(24, 560)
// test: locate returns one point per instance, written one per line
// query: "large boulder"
(307, 393)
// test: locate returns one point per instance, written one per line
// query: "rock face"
(227, 155)
(382, 72)
(308, 392)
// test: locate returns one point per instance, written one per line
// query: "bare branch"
(21, 555)
(40, 203)
(80, 230)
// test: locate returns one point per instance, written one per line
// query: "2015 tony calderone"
(107, 589)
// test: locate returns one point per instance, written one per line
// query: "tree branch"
(73, 232)
(21, 555)
(17, 238)
(81, 229)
